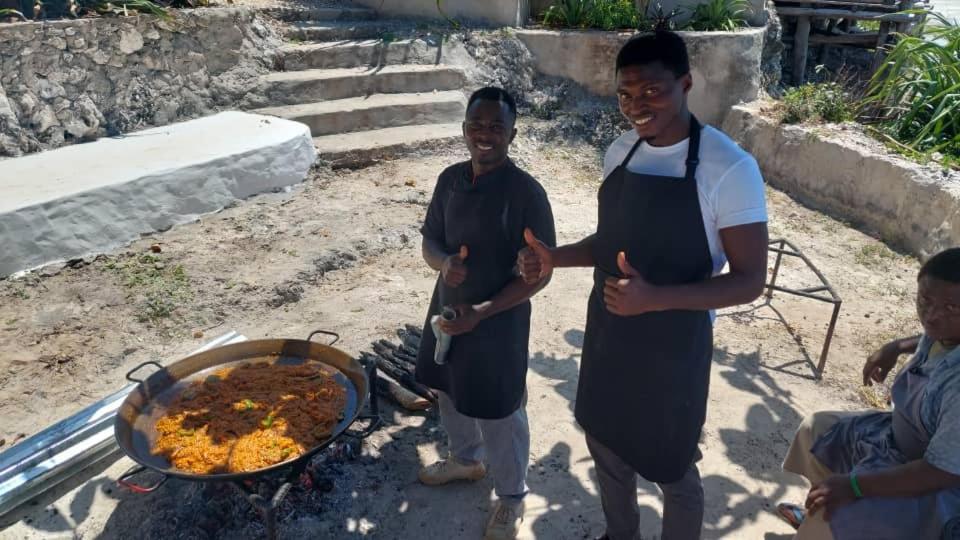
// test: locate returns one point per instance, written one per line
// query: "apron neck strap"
(633, 150)
(693, 150)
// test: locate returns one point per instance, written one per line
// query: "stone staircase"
(365, 94)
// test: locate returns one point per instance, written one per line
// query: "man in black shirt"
(472, 233)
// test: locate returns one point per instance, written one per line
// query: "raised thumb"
(625, 267)
(463, 253)
(531, 239)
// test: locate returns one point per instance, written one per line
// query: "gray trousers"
(505, 443)
(682, 500)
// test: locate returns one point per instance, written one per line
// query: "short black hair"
(661, 46)
(493, 93)
(944, 266)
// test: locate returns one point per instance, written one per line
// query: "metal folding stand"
(783, 247)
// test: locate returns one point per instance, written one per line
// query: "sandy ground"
(341, 252)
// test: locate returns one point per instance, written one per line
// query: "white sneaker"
(505, 520)
(451, 470)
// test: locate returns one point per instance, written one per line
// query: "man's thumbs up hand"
(454, 271)
(536, 260)
(631, 294)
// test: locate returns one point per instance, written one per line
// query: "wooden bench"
(840, 19)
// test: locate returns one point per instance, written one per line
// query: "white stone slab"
(90, 198)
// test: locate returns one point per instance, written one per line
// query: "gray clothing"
(682, 500)
(504, 444)
(925, 425)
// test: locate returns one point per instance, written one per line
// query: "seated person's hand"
(880, 363)
(831, 494)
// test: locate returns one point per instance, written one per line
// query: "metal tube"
(48, 442)
(826, 343)
(804, 294)
(815, 270)
(776, 269)
(58, 452)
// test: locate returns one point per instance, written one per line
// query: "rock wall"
(725, 65)
(843, 172)
(77, 80)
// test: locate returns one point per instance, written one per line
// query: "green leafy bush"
(818, 102)
(914, 97)
(722, 15)
(602, 14)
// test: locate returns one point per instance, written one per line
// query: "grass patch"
(874, 256)
(818, 102)
(160, 288)
(20, 292)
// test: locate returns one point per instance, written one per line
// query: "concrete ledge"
(725, 65)
(850, 176)
(86, 199)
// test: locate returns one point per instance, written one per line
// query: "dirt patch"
(341, 252)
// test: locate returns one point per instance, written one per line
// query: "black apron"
(644, 379)
(485, 371)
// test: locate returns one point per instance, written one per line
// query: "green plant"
(161, 288)
(6, 13)
(568, 13)
(723, 15)
(20, 293)
(914, 97)
(613, 14)
(813, 102)
(128, 7)
(658, 19)
(453, 22)
(874, 256)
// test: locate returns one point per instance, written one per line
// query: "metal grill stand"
(267, 507)
(783, 247)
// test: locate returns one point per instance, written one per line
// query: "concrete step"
(299, 14)
(348, 54)
(343, 30)
(292, 87)
(362, 148)
(375, 112)
(86, 199)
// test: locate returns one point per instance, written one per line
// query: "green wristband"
(855, 485)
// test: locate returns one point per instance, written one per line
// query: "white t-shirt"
(728, 180)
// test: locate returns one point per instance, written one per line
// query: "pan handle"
(336, 337)
(130, 373)
(135, 470)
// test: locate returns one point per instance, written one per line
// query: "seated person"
(892, 475)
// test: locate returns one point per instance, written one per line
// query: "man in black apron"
(679, 200)
(472, 233)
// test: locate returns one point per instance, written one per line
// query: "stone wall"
(725, 65)
(76, 80)
(493, 12)
(843, 172)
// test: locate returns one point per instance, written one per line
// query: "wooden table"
(843, 15)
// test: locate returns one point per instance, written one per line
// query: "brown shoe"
(450, 470)
(505, 520)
